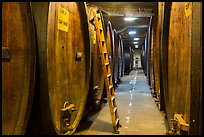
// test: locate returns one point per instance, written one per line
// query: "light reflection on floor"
(137, 110)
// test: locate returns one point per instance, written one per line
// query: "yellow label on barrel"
(63, 18)
(187, 7)
(94, 37)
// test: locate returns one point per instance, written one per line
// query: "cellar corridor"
(102, 68)
(137, 110)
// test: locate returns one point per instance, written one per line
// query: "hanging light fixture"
(136, 38)
(129, 19)
(132, 31)
(136, 46)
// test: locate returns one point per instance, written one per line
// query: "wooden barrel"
(154, 68)
(132, 58)
(18, 66)
(63, 69)
(115, 57)
(120, 58)
(123, 60)
(151, 41)
(142, 58)
(149, 45)
(145, 55)
(110, 48)
(127, 59)
(178, 63)
(181, 63)
(96, 90)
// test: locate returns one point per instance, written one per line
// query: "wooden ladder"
(107, 72)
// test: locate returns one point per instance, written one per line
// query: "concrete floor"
(138, 113)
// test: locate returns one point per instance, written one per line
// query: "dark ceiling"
(115, 13)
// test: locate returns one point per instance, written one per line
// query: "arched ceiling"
(115, 12)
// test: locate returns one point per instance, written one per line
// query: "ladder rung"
(99, 16)
(112, 98)
(111, 86)
(108, 75)
(106, 64)
(116, 121)
(104, 52)
(115, 108)
(103, 40)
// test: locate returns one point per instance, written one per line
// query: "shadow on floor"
(103, 126)
(84, 126)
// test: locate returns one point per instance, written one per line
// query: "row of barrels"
(121, 56)
(173, 63)
(51, 69)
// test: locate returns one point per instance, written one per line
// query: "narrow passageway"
(137, 110)
(85, 68)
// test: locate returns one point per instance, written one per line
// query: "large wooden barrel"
(120, 58)
(123, 59)
(149, 45)
(96, 91)
(110, 48)
(18, 66)
(181, 63)
(156, 38)
(151, 42)
(127, 59)
(63, 69)
(132, 58)
(142, 58)
(115, 57)
(178, 96)
(145, 55)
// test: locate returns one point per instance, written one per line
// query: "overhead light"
(132, 32)
(136, 46)
(135, 42)
(136, 38)
(129, 19)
